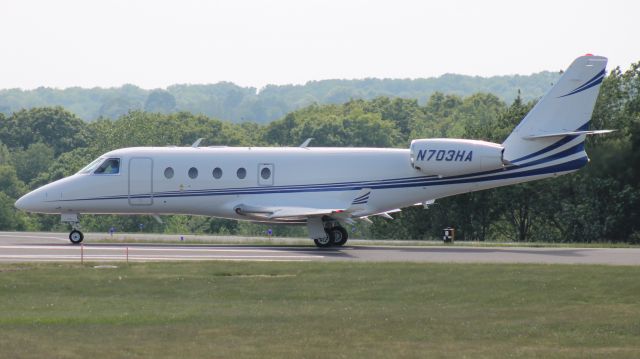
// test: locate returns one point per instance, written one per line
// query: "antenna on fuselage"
(306, 142)
(197, 143)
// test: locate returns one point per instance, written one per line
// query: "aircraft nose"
(28, 202)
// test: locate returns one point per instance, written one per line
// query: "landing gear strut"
(75, 236)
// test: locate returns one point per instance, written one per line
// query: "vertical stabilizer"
(554, 124)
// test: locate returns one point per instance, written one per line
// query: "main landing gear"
(326, 232)
(338, 235)
(75, 236)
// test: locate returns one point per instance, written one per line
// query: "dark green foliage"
(56, 127)
(10, 219)
(351, 124)
(11, 188)
(10, 184)
(599, 203)
(36, 159)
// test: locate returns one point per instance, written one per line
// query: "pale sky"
(156, 43)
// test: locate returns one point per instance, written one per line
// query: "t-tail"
(554, 131)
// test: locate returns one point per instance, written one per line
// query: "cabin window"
(111, 166)
(168, 173)
(217, 173)
(193, 173)
(242, 173)
(265, 173)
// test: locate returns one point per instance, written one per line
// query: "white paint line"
(121, 257)
(136, 248)
(34, 237)
(22, 246)
(65, 258)
(54, 260)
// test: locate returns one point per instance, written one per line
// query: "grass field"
(318, 310)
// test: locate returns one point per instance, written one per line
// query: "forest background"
(46, 134)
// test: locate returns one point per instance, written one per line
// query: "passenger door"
(140, 181)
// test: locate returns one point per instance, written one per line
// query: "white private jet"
(326, 188)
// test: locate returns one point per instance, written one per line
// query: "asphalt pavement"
(55, 247)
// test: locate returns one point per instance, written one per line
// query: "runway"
(52, 247)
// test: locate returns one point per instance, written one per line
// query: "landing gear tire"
(338, 236)
(76, 236)
(323, 242)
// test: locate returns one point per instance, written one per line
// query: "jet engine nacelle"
(451, 157)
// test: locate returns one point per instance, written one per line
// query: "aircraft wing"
(286, 212)
(343, 209)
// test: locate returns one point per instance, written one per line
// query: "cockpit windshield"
(91, 166)
(109, 167)
(106, 166)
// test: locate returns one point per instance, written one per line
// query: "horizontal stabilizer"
(569, 133)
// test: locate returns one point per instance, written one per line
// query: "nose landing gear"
(75, 236)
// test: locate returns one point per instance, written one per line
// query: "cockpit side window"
(111, 166)
(91, 166)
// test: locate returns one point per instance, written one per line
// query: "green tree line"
(599, 203)
(228, 101)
